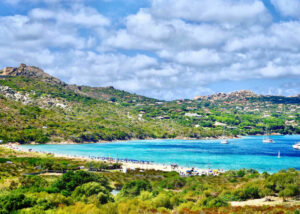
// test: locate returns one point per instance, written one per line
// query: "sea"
(246, 152)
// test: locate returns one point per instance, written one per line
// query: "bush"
(251, 192)
(70, 180)
(284, 183)
(145, 195)
(289, 191)
(214, 202)
(33, 181)
(162, 200)
(89, 189)
(14, 201)
(175, 182)
(248, 192)
(134, 188)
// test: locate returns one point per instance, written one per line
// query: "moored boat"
(223, 140)
(267, 139)
(297, 146)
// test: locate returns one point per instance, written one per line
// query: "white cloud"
(228, 11)
(172, 49)
(14, 2)
(198, 58)
(288, 8)
(144, 32)
(79, 15)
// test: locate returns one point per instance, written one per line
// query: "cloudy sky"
(159, 48)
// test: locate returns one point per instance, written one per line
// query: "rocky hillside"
(243, 94)
(36, 107)
(248, 96)
(29, 99)
(31, 72)
(103, 93)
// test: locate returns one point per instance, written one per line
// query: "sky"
(164, 49)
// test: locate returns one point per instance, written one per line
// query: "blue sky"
(159, 48)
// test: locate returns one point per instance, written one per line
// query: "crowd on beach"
(129, 164)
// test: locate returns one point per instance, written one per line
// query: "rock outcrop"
(14, 95)
(27, 99)
(32, 72)
(224, 96)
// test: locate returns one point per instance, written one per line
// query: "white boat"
(223, 140)
(297, 146)
(278, 154)
(267, 139)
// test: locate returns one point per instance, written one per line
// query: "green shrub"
(162, 200)
(92, 188)
(214, 202)
(284, 182)
(175, 182)
(33, 182)
(70, 180)
(134, 188)
(14, 201)
(289, 191)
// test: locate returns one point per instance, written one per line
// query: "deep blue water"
(247, 152)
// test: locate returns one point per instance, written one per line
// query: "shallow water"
(247, 152)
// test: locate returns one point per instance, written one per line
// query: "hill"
(37, 107)
(102, 93)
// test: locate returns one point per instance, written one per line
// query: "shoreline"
(132, 139)
(127, 164)
(69, 142)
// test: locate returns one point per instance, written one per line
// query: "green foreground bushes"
(140, 191)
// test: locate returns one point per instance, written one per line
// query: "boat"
(278, 154)
(267, 139)
(223, 140)
(297, 146)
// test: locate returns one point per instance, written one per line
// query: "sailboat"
(278, 154)
(267, 139)
(223, 140)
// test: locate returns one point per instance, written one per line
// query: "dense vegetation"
(59, 112)
(81, 191)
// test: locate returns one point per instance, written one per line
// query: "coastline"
(144, 162)
(126, 164)
(69, 142)
(135, 139)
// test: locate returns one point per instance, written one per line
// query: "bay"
(247, 152)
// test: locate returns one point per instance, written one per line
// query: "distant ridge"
(224, 96)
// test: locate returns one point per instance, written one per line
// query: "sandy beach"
(128, 164)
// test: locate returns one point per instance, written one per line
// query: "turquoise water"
(247, 152)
